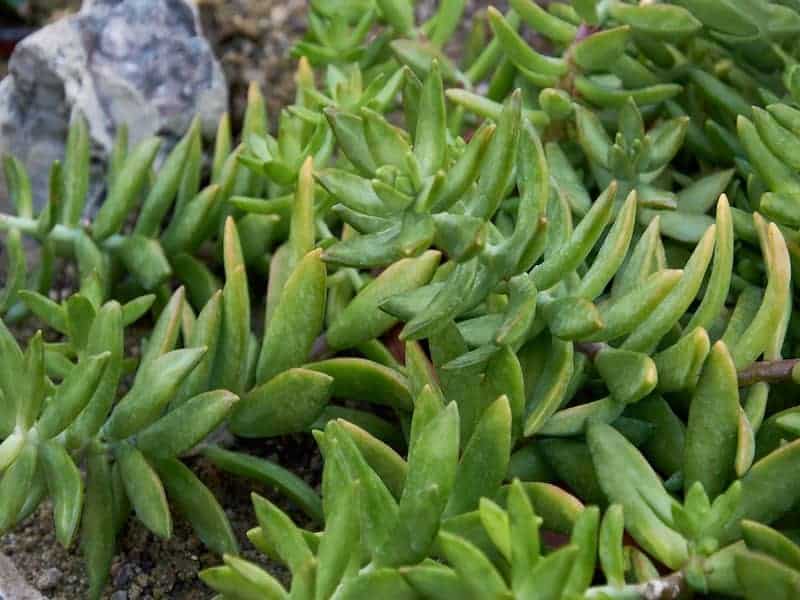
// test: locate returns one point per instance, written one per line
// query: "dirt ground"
(145, 567)
(253, 42)
(252, 38)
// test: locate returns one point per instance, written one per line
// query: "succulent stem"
(60, 234)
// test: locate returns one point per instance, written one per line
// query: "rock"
(123, 576)
(12, 584)
(49, 579)
(119, 595)
(141, 62)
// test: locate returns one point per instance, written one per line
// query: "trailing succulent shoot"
(532, 303)
(68, 437)
(154, 225)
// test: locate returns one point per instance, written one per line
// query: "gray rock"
(13, 585)
(141, 62)
(124, 575)
(48, 579)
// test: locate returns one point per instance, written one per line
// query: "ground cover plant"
(531, 295)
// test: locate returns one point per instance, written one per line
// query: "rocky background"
(251, 38)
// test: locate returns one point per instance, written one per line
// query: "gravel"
(253, 40)
(49, 579)
(145, 567)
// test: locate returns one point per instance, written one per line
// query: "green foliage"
(68, 411)
(540, 289)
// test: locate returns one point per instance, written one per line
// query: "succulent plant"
(533, 304)
(768, 564)
(436, 527)
(152, 227)
(64, 418)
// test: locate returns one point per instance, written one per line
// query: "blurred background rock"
(143, 64)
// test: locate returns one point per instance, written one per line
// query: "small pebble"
(119, 595)
(123, 576)
(49, 579)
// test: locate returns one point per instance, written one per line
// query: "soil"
(253, 39)
(146, 567)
